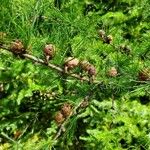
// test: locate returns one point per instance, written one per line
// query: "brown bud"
(59, 118)
(85, 65)
(49, 52)
(144, 75)
(91, 70)
(113, 72)
(66, 110)
(17, 47)
(71, 63)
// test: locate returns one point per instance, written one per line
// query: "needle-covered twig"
(61, 128)
(50, 65)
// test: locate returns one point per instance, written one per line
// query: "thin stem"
(50, 65)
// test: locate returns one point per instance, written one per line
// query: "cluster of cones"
(65, 111)
(70, 63)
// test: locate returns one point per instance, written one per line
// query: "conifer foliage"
(75, 74)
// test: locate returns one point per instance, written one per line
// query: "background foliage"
(31, 94)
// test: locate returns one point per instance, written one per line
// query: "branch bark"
(50, 65)
(62, 127)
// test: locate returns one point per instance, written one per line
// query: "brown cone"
(49, 52)
(17, 47)
(113, 72)
(59, 118)
(66, 109)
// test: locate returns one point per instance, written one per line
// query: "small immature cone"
(85, 65)
(113, 72)
(66, 110)
(59, 118)
(17, 47)
(70, 63)
(49, 52)
(90, 69)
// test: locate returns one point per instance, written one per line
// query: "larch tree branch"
(50, 65)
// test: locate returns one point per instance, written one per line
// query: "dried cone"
(85, 65)
(49, 52)
(66, 110)
(71, 63)
(17, 47)
(92, 70)
(113, 72)
(144, 75)
(59, 118)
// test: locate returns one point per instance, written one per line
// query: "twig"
(74, 111)
(7, 137)
(59, 69)
(40, 61)
(113, 102)
(50, 65)
(24, 131)
(66, 121)
(86, 98)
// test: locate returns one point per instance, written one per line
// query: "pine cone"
(66, 110)
(92, 70)
(71, 63)
(113, 72)
(17, 47)
(85, 65)
(49, 52)
(59, 118)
